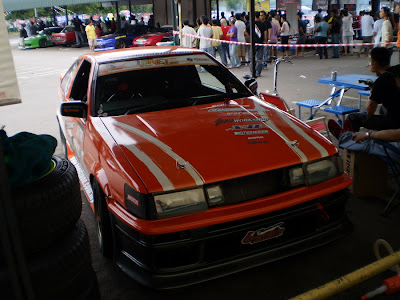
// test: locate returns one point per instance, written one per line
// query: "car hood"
(185, 147)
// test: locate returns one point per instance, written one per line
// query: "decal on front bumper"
(264, 234)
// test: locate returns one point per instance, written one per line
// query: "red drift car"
(191, 176)
(65, 37)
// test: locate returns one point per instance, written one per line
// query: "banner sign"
(9, 91)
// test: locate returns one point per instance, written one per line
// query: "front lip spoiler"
(212, 271)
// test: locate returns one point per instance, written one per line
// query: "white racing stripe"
(153, 168)
(308, 138)
(188, 167)
(274, 128)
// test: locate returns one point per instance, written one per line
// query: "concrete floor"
(38, 70)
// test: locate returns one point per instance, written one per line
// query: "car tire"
(102, 222)
(42, 43)
(63, 271)
(120, 44)
(48, 207)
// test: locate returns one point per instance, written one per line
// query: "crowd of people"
(273, 27)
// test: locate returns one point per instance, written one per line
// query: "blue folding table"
(342, 84)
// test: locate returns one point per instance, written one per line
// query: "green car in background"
(43, 39)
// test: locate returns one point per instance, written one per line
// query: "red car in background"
(152, 39)
(65, 37)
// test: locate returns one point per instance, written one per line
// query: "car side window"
(66, 81)
(81, 82)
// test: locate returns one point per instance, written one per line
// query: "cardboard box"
(369, 173)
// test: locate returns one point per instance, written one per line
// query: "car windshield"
(163, 83)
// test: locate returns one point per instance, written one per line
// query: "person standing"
(232, 34)
(260, 37)
(273, 33)
(285, 32)
(322, 35)
(225, 46)
(335, 28)
(103, 26)
(22, 35)
(302, 29)
(188, 41)
(241, 27)
(267, 26)
(387, 29)
(377, 31)
(347, 31)
(78, 30)
(367, 30)
(91, 35)
(216, 46)
(205, 32)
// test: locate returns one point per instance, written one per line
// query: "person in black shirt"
(261, 37)
(335, 28)
(302, 28)
(385, 91)
(267, 26)
(22, 35)
(78, 30)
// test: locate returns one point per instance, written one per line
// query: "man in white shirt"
(367, 30)
(241, 27)
(205, 32)
(188, 41)
(377, 34)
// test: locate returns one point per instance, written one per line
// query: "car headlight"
(215, 196)
(316, 171)
(180, 203)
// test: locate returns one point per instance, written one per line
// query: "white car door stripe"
(187, 166)
(154, 169)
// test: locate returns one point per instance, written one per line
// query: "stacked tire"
(55, 241)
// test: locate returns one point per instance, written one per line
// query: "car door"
(77, 87)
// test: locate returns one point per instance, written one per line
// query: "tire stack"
(55, 241)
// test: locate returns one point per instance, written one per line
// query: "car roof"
(134, 53)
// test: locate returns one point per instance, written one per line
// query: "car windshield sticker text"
(263, 234)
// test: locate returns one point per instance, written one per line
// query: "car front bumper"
(184, 258)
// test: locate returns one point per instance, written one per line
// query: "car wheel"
(63, 271)
(120, 44)
(102, 222)
(42, 43)
(48, 207)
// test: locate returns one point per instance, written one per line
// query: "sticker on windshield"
(154, 62)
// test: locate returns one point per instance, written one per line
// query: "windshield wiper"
(136, 109)
(213, 98)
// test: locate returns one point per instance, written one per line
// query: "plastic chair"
(318, 124)
(395, 168)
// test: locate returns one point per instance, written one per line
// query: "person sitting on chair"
(385, 91)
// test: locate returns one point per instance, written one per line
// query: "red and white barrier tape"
(285, 45)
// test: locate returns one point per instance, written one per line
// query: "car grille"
(252, 187)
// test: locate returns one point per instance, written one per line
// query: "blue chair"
(362, 93)
(309, 104)
(341, 110)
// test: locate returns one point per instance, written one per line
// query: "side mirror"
(75, 109)
(252, 85)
